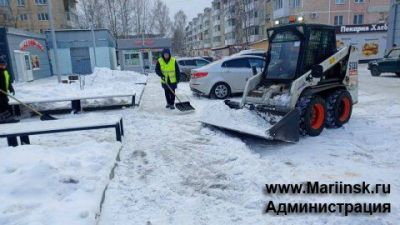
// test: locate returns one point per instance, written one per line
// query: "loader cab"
(294, 49)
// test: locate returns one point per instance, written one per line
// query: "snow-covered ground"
(42, 185)
(102, 82)
(174, 170)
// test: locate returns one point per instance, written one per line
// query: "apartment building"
(333, 12)
(32, 15)
(228, 26)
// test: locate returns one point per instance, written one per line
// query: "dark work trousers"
(169, 96)
(4, 106)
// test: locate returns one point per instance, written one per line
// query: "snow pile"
(281, 100)
(102, 82)
(54, 186)
(242, 120)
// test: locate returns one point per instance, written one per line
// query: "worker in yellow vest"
(167, 68)
(6, 86)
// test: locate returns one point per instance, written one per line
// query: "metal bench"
(75, 101)
(24, 130)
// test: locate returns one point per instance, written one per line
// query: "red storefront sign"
(30, 43)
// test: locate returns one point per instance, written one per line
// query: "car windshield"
(395, 53)
(285, 48)
(283, 62)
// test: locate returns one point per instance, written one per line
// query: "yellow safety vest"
(168, 70)
(7, 78)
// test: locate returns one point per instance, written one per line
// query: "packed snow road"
(173, 170)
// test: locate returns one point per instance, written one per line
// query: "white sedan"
(227, 76)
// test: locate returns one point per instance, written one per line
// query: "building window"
(296, 3)
(358, 19)
(278, 4)
(338, 20)
(3, 2)
(359, 1)
(43, 16)
(21, 3)
(23, 17)
(132, 59)
(339, 2)
(40, 2)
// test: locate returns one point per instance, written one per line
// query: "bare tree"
(178, 38)
(112, 20)
(126, 7)
(162, 21)
(91, 13)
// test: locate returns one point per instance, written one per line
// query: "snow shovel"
(43, 117)
(181, 106)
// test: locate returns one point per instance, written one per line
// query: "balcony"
(254, 38)
(250, 6)
(216, 22)
(282, 12)
(216, 33)
(229, 29)
(230, 41)
(216, 12)
(251, 22)
(217, 44)
(229, 16)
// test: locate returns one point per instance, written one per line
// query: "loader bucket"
(279, 126)
(287, 129)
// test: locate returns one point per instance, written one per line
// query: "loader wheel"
(339, 108)
(375, 71)
(313, 115)
(220, 91)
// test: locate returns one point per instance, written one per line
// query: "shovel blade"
(184, 106)
(46, 117)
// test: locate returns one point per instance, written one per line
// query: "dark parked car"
(389, 64)
(187, 64)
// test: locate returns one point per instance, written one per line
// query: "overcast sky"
(190, 7)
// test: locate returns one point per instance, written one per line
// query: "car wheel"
(221, 91)
(375, 71)
(398, 74)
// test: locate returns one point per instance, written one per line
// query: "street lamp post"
(54, 40)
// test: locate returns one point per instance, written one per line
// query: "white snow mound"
(242, 120)
(54, 186)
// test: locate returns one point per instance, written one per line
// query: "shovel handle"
(173, 92)
(24, 104)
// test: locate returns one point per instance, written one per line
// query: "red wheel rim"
(317, 116)
(345, 109)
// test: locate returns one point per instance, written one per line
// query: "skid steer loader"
(306, 85)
